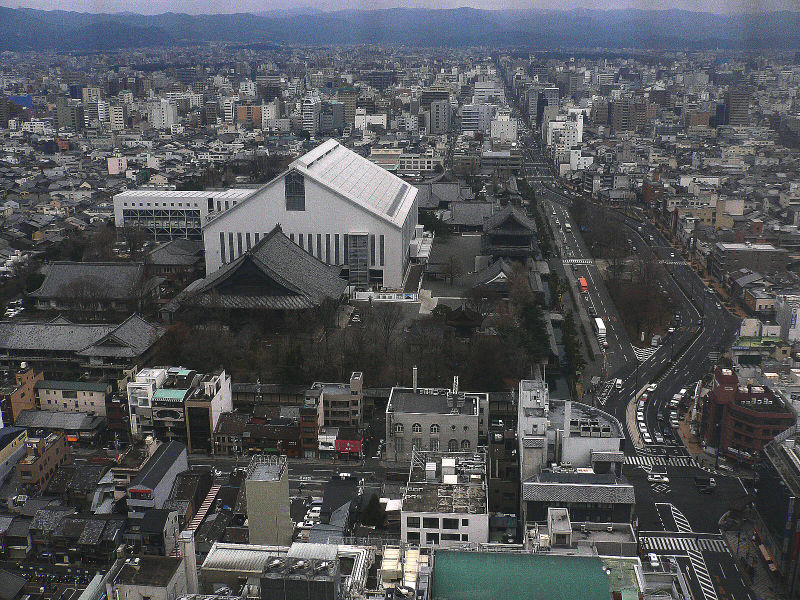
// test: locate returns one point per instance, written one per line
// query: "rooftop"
(438, 401)
(359, 180)
(148, 571)
(469, 575)
(447, 482)
(266, 468)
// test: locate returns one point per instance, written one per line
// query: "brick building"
(739, 420)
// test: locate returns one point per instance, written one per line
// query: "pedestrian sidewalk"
(765, 584)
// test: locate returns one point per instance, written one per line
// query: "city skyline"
(199, 7)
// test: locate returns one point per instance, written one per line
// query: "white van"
(618, 384)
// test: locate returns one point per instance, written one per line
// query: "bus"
(582, 284)
(600, 331)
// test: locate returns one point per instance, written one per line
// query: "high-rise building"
(69, 114)
(312, 107)
(163, 114)
(737, 106)
(267, 491)
(441, 114)
(117, 117)
(349, 97)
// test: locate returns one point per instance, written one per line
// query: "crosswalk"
(578, 261)
(701, 573)
(676, 263)
(661, 488)
(643, 354)
(682, 544)
(649, 461)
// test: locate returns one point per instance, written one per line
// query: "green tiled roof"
(485, 576)
(78, 386)
(169, 394)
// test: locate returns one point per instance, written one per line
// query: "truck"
(584, 287)
(600, 331)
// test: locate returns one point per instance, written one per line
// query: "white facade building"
(446, 502)
(163, 114)
(476, 117)
(363, 120)
(787, 309)
(170, 214)
(504, 127)
(333, 203)
(312, 107)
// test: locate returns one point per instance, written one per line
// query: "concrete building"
(210, 398)
(338, 404)
(146, 578)
(446, 502)
(117, 114)
(43, 456)
(267, 490)
(787, 310)
(433, 420)
(737, 107)
(19, 394)
(440, 117)
(13, 446)
(311, 110)
(73, 396)
(727, 257)
(336, 205)
(163, 114)
(504, 127)
(164, 215)
(476, 118)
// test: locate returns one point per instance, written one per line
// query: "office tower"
(312, 107)
(69, 114)
(737, 105)
(349, 97)
(117, 117)
(441, 114)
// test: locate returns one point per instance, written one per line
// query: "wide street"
(675, 520)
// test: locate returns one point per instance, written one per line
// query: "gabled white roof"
(358, 179)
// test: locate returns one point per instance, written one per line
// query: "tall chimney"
(186, 540)
(414, 377)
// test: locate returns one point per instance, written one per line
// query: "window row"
(434, 522)
(330, 248)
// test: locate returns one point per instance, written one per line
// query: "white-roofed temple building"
(336, 205)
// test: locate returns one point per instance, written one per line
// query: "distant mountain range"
(28, 29)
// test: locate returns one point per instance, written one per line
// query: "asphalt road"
(684, 520)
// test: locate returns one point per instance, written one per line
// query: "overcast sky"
(227, 6)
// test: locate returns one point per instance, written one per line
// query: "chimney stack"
(414, 377)
(455, 384)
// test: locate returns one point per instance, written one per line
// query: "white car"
(652, 387)
(657, 478)
(654, 562)
(646, 438)
(314, 512)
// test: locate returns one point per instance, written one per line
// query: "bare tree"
(452, 268)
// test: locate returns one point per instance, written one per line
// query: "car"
(658, 438)
(652, 387)
(314, 512)
(652, 557)
(718, 305)
(646, 438)
(672, 255)
(657, 478)
(618, 384)
(591, 310)
(671, 330)
(355, 318)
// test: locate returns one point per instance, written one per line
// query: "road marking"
(649, 461)
(682, 544)
(680, 519)
(702, 575)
